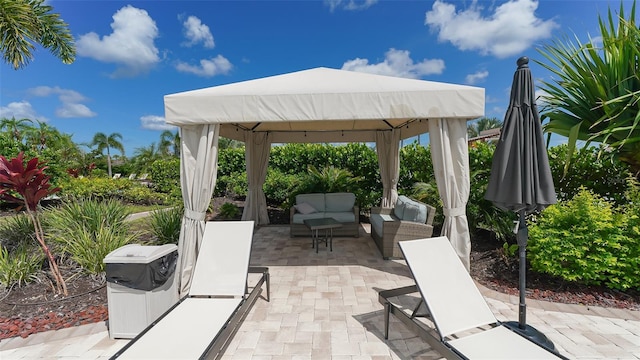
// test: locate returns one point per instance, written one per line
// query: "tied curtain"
(257, 147)
(450, 156)
(388, 149)
(198, 171)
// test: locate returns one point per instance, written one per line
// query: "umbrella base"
(532, 334)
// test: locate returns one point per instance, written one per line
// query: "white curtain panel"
(450, 156)
(388, 149)
(257, 146)
(198, 172)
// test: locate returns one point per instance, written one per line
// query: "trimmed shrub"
(585, 240)
(601, 173)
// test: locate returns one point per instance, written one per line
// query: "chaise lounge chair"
(461, 324)
(202, 324)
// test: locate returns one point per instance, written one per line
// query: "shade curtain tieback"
(454, 211)
(194, 215)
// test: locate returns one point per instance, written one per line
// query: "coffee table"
(326, 224)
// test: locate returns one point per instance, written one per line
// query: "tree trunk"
(61, 286)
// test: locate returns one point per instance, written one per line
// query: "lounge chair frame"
(433, 336)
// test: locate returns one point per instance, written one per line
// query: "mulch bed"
(34, 307)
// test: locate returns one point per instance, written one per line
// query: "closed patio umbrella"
(520, 177)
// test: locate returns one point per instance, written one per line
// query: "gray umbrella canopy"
(520, 177)
(520, 174)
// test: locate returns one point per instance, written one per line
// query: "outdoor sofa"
(340, 206)
(407, 220)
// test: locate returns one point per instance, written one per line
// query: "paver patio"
(325, 306)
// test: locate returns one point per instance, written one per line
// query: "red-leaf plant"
(28, 185)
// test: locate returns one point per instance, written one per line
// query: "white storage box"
(141, 286)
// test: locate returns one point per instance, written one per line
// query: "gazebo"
(322, 105)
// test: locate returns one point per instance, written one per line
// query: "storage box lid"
(138, 254)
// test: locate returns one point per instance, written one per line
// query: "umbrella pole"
(521, 327)
(522, 236)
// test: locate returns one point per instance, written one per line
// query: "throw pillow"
(305, 208)
(410, 212)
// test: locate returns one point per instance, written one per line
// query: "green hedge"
(589, 241)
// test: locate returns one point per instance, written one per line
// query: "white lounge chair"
(203, 323)
(465, 327)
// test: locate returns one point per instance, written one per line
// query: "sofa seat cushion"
(299, 218)
(339, 202)
(315, 200)
(343, 217)
(377, 221)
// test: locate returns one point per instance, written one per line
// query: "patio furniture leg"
(387, 311)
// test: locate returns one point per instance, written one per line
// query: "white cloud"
(512, 27)
(351, 5)
(195, 32)
(71, 100)
(207, 67)
(20, 110)
(130, 45)
(476, 77)
(397, 63)
(155, 122)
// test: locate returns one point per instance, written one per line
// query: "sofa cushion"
(398, 209)
(415, 211)
(305, 208)
(299, 218)
(339, 202)
(377, 221)
(411, 212)
(343, 216)
(315, 200)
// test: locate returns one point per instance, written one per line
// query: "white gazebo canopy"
(322, 105)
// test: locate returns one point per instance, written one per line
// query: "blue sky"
(132, 53)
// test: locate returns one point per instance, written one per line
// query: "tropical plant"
(595, 92)
(103, 142)
(169, 143)
(166, 224)
(327, 180)
(20, 266)
(145, 156)
(28, 185)
(16, 231)
(89, 229)
(24, 23)
(476, 127)
(229, 211)
(88, 249)
(15, 126)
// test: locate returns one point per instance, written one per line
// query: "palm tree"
(145, 156)
(24, 23)
(169, 143)
(475, 128)
(102, 142)
(595, 93)
(38, 136)
(17, 127)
